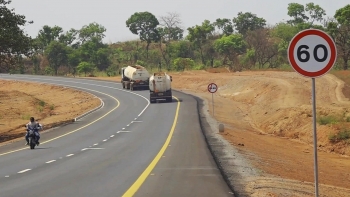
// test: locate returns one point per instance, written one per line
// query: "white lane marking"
(69, 155)
(96, 144)
(65, 81)
(123, 128)
(92, 149)
(135, 121)
(26, 170)
(128, 125)
(7, 176)
(105, 140)
(50, 161)
(123, 131)
(112, 135)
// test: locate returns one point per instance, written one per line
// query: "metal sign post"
(212, 88)
(312, 53)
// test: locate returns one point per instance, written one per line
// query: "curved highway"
(129, 147)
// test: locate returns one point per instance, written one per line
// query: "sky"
(112, 14)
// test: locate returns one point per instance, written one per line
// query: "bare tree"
(265, 49)
(171, 29)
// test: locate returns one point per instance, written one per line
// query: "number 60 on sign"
(312, 53)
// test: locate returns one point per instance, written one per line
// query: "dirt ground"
(268, 117)
(49, 104)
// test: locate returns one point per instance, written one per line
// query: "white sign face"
(312, 53)
(212, 88)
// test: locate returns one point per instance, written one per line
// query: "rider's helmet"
(31, 119)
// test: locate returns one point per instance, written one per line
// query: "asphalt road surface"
(127, 148)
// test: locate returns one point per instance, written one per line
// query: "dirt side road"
(269, 114)
(49, 104)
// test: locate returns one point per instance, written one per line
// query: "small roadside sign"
(212, 87)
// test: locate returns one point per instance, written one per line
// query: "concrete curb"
(91, 111)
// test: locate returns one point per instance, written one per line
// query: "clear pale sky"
(112, 14)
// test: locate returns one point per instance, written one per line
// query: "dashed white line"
(50, 161)
(128, 125)
(136, 121)
(69, 155)
(112, 135)
(7, 176)
(26, 170)
(123, 128)
(105, 140)
(123, 131)
(96, 144)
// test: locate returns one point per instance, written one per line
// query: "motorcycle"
(32, 139)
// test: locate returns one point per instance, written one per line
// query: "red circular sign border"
(209, 86)
(301, 35)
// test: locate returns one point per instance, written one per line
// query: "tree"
(340, 31)
(297, 12)
(183, 63)
(170, 30)
(171, 27)
(305, 16)
(145, 25)
(264, 47)
(231, 46)
(14, 43)
(57, 54)
(70, 38)
(47, 35)
(95, 52)
(245, 22)
(225, 25)
(85, 67)
(91, 31)
(199, 35)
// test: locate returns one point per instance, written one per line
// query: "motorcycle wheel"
(31, 143)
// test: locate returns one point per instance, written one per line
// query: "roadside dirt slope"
(269, 114)
(49, 104)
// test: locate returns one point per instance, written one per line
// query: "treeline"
(241, 43)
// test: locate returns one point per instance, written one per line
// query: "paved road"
(128, 147)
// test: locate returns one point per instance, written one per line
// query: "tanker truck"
(160, 87)
(134, 77)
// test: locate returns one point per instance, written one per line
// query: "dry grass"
(49, 104)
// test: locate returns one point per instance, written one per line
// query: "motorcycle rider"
(35, 126)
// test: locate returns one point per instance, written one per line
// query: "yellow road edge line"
(13, 151)
(138, 183)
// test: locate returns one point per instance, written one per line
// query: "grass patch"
(52, 107)
(42, 103)
(343, 135)
(325, 120)
(40, 108)
(25, 117)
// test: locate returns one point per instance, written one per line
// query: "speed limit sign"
(312, 53)
(212, 87)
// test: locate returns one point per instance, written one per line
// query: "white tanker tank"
(160, 87)
(135, 77)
